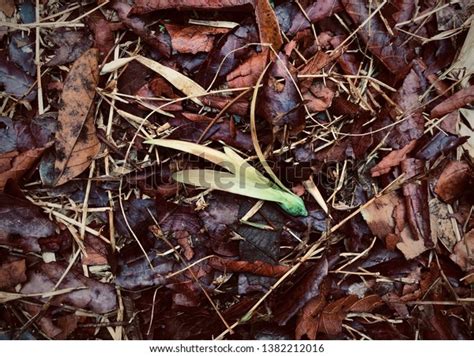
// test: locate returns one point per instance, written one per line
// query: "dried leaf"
(465, 59)
(70, 46)
(179, 81)
(76, 140)
(454, 181)
(334, 313)
(7, 7)
(304, 291)
(269, 29)
(22, 223)
(463, 253)
(246, 74)
(90, 294)
(14, 81)
(12, 272)
(317, 11)
(393, 159)
(139, 27)
(459, 99)
(258, 268)
(388, 49)
(13, 165)
(193, 39)
(416, 200)
(279, 101)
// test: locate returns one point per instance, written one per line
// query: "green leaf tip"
(243, 179)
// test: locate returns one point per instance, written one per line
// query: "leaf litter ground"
(363, 110)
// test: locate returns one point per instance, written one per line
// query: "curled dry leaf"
(454, 181)
(393, 159)
(76, 139)
(461, 98)
(416, 200)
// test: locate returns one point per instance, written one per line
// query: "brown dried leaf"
(393, 159)
(454, 181)
(7, 7)
(386, 216)
(301, 293)
(12, 272)
(334, 313)
(193, 38)
(390, 50)
(258, 268)
(13, 165)
(308, 323)
(318, 97)
(459, 99)
(246, 74)
(269, 29)
(76, 140)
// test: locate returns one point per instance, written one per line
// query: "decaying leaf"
(454, 181)
(76, 140)
(386, 218)
(13, 165)
(22, 223)
(95, 296)
(12, 272)
(416, 200)
(279, 100)
(14, 81)
(461, 98)
(463, 253)
(193, 39)
(390, 50)
(393, 159)
(267, 22)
